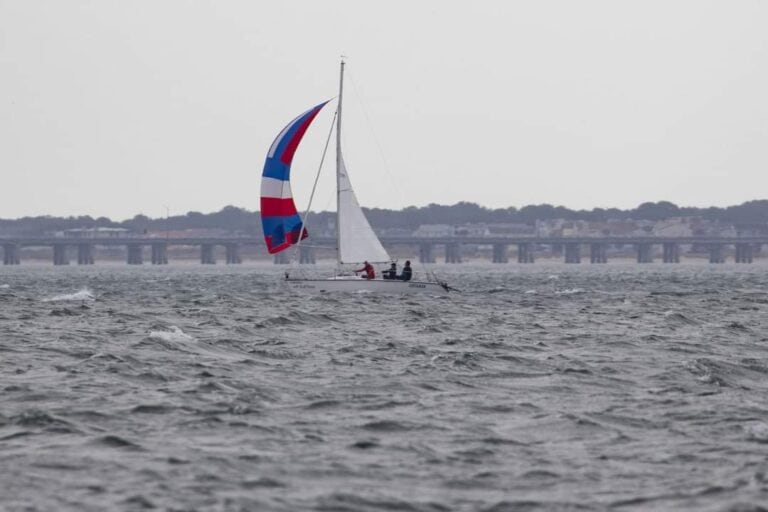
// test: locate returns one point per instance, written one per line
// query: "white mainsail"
(357, 240)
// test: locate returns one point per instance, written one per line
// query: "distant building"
(471, 230)
(675, 227)
(446, 230)
(703, 227)
(751, 229)
(193, 233)
(100, 232)
(434, 231)
(394, 232)
(583, 228)
(511, 229)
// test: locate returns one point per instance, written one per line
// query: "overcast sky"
(119, 107)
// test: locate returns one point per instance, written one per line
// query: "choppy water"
(620, 387)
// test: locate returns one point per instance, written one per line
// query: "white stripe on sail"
(271, 187)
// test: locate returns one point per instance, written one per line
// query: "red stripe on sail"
(293, 238)
(276, 207)
(295, 235)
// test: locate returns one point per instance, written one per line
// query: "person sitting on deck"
(407, 272)
(368, 269)
(391, 272)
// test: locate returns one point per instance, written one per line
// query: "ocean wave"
(174, 334)
(679, 318)
(757, 432)
(82, 295)
(570, 291)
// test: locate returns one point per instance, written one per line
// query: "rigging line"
(314, 186)
(387, 169)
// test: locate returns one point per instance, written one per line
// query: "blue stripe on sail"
(288, 224)
(274, 168)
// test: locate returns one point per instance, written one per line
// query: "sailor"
(368, 269)
(391, 272)
(407, 271)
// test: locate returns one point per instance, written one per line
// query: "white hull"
(356, 285)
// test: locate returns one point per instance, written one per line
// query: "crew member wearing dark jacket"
(407, 272)
(391, 272)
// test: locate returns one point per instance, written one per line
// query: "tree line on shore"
(240, 220)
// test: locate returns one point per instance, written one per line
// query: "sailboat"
(356, 242)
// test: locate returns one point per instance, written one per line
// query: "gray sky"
(114, 107)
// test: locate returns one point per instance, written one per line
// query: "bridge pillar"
(233, 254)
(60, 254)
(644, 253)
(306, 255)
(671, 252)
(426, 253)
(160, 253)
(453, 252)
(135, 254)
(597, 253)
(11, 254)
(281, 258)
(716, 254)
(743, 253)
(207, 256)
(85, 254)
(525, 253)
(572, 253)
(500, 253)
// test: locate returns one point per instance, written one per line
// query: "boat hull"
(365, 285)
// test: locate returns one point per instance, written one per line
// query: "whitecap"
(82, 295)
(757, 432)
(175, 334)
(570, 291)
(530, 292)
(4, 286)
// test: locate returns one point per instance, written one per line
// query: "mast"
(339, 164)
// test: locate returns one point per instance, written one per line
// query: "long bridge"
(571, 247)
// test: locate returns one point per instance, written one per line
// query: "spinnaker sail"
(280, 220)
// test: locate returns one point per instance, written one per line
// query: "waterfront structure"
(646, 249)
